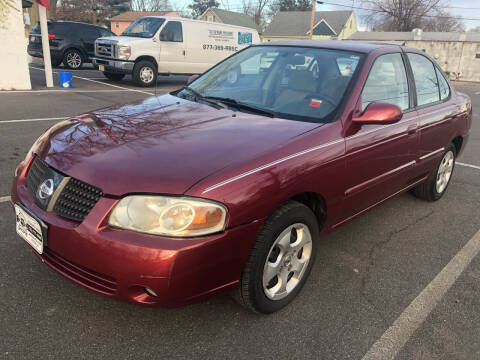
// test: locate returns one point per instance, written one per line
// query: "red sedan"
(228, 183)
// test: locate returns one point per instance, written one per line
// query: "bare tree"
(400, 15)
(255, 8)
(442, 21)
(151, 5)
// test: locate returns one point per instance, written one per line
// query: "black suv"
(72, 43)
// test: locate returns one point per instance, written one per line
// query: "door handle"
(183, 52)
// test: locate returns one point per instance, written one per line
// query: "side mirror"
(192, 78)
(379, 113)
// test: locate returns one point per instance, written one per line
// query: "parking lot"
(402, 280)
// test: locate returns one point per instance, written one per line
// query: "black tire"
(250, 292)
(114, 76)
(427, 190)
(147, 66)
(73, 59)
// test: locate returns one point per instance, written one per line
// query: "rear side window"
(387, 82)
(425, 79)
(172, 32)
(443, 84)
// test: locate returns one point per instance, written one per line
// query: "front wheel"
(435, 186)
(73, 59)
(280, 260)
(114, 76)
(144, 73)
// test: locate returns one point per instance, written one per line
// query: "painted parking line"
(27, 120)
(100, 82)
(468, 165)
(396, 336)
(4, 199)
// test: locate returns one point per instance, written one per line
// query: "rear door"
(381, 158)
(436, 110)
(172, 49)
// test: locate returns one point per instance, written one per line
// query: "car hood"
(122, 39)
(160, 145)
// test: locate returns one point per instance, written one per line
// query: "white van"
(155, 45)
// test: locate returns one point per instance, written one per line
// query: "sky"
(463, 8)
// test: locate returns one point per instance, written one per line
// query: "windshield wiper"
(200, 97)
(241, 105)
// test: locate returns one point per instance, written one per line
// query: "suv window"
(443, 83)
(90, 32)
(105, 32)
(172, 32)
(387, 82)
(425, 79)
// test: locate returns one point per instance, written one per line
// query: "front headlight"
(169, 216)
(124, 52)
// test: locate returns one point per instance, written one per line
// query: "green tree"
(198, 7)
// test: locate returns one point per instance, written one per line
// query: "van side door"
(172, 49)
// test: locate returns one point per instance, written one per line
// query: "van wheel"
(280, 260)
(144, 73)
(435, 186)
(114, 76)
(73, 59)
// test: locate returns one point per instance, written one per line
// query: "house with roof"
(229, 17)
(295, 25)
(121, 21)
(457, 53)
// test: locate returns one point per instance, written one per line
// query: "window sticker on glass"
(315, 103)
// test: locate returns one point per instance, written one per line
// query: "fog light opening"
(150, 292)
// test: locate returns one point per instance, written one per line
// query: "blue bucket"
(65, 79)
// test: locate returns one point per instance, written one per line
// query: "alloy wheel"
(74, 60)
(444, 171)
(287, 261)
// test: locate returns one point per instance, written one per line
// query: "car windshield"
(297, 83)
(144, 27)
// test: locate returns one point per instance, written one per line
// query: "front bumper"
(122, 264)
(114, 66)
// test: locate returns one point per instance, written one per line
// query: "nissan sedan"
(227, 184)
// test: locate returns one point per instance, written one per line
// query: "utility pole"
(312, 18)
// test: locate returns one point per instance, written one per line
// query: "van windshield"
(297, 83)
(144, 27)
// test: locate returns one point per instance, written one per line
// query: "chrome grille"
(105, 49)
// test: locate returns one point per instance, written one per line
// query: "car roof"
(75, 22)
(356, 46)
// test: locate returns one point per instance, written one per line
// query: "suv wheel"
(280, 260)
(73, 59)
(114, 76)
(435, 186)
(144, 73)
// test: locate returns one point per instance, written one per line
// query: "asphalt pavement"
(367, 273)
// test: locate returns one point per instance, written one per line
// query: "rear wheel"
(114, 76)
(73, 59)
(144, 73)
(280, 260)
(435, 186)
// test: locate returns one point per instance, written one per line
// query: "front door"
(381, 158)
(172, 49)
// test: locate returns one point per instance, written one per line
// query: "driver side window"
(172, 32)
(387, 82)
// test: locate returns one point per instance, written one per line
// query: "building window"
(210, 18)
(477, 56)
(117, 25)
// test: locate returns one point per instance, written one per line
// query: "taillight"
(51, 36)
